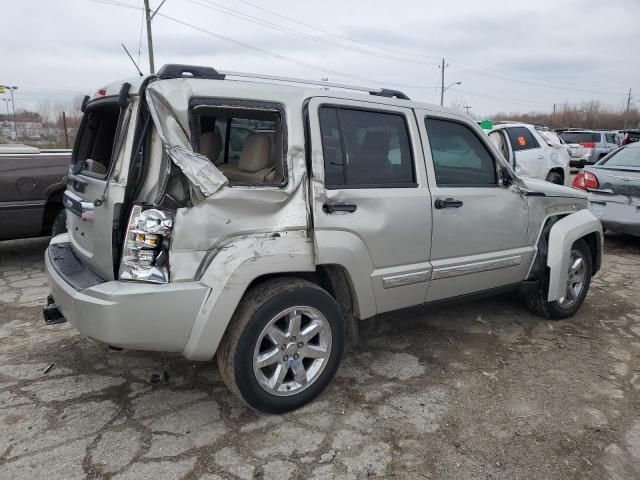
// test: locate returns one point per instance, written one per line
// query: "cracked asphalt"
(480, 390)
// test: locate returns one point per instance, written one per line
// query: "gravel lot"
(481, 390)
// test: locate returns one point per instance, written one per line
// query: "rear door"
(529, 154)
(371, 203)
(96, 192)
(479, 236)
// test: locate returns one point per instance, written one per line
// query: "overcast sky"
(510, 56)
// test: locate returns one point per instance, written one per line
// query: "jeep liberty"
(259, 219)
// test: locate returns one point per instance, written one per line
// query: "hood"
(551, 189)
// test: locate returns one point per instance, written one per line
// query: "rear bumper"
(132, 315)
(614, 216)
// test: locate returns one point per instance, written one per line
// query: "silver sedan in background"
(613, 185)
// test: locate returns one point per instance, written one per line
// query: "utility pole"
(442, 81)
(13, 106)
(554, 109)
(626, 112)
(147, 14)
(467, 108)
(66, 134)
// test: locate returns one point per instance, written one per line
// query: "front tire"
(580, 269)
(283, 346)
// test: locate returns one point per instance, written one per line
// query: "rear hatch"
(580, 143)
(97, 180)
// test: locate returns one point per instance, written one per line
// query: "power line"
(462, 65)
(490, 73)
(118, 4)
(288, 59)
(337, 35)
(268, 52)
(265, 23)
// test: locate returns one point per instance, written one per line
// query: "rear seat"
(254, 164)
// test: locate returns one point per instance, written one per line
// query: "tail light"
(585, 180)
(145, 254)
(588, 144)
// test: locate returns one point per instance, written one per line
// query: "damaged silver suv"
(260, 219)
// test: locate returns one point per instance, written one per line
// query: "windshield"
(625, 157)
(580, 137)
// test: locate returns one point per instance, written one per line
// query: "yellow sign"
(2, 90)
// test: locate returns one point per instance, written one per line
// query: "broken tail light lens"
(145, 253)
(585, 180)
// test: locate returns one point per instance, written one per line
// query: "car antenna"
(132, 60)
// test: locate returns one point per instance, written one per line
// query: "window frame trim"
(367, 109)
(484, 144)
(221, 102)
(94, 105)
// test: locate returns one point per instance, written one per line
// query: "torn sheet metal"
(175, 141)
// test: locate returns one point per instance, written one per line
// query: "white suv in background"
(532, 154)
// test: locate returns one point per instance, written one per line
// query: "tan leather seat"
(254, 164)
(211, 145)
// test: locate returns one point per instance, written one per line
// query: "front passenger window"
(459, 157)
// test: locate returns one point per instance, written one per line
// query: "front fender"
(561, 237)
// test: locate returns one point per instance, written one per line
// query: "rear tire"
(555, 177)
(283, 346)
(59, 225)
(565, 307)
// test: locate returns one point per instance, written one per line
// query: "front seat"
(254, 164)
(211, 145)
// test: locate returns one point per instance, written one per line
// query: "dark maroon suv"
(32, 182)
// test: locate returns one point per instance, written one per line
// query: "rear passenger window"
(245, 144)
(364, 148)
(611, 138)
(459, 157)
(521, 139)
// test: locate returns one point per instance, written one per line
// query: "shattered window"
(245, 144)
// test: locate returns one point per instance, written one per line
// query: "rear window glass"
(580, 137)
(521, 139)
(94, 148)
(625, 157)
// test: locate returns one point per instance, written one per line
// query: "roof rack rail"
(175, 70)
(386, 92)
(381, 92)
(194, 71)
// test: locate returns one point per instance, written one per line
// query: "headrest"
(211, 145)
(255, 153)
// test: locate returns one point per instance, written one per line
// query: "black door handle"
(448, 203)
(339, 207)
